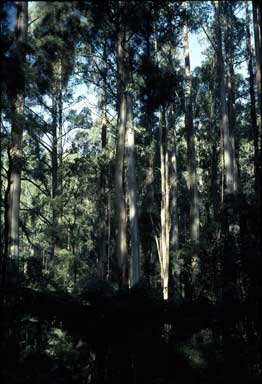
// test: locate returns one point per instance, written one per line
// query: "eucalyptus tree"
(116, 20)
(227, 159)
(132, 195)
(253, 118)
(55, 57)
(15, 151)
(257, 24)
(192, 172)
(166, 80)
(230, 53)
(4, 49)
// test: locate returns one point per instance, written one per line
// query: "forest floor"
(49, 337)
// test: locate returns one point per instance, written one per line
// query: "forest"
(130, 192)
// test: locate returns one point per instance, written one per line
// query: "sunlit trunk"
(228, 37)
(224, 121)
(164, 240)
(163, 243)
(174, 185)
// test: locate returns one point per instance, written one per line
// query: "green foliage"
(65, 271)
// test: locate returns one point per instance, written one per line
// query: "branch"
(206, 33)
(24, 229)
(45, 192)
(31, 22)
(34, 210)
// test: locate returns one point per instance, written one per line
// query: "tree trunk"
(224, 120)
(174, 234)
(60, 147)
(57, 156)
(214, 158)
(147, 241)
(192, 173)
(133, 216)
(103, 201)
(1, 184)
(15, 151)
(231, 90)
(253, 116)
(227, 212)
(108, 266)
(121, 241)
(257, 36)
(174, 241)
(164, 241)
(54, 162)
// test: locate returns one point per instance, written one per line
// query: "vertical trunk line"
(135, 260)
(119, 170)
(192, 179)
(15, 152)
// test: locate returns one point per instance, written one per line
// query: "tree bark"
(15, 151)
(224, 120)
(191, 158)
(54, 162)
(174, 230)
(60, 145)
(174, 240)
(1, 184)
(103, 176)
(57, 156)
(214, 158)
(133, 216)
(253, 117)
(121, 240)
(147, 240)
(164, 241)
(257, 36)
(231, 89)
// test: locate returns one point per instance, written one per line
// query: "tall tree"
(103, 173)
(132, 194)
(227, 158)
(230, 74)
(174, 228)
(57, 151)
(257, 36)
(253, 117)
(164, 243)
(15, 151)
(121, 216)
(191, 157)
(149, 200)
